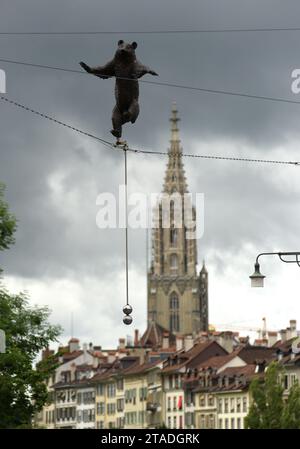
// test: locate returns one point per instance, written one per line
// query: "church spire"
(177, 295)
(174, 129)
(175, 180)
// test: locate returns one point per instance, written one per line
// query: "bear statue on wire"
(127, 69)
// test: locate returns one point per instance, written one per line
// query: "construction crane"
(262, 331)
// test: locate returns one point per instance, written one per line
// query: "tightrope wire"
(111, 145)
(166, 84)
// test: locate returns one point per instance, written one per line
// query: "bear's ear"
(134, 45)
(120, 42)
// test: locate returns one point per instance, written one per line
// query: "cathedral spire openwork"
(175, 180)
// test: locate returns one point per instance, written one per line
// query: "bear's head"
(126, 52)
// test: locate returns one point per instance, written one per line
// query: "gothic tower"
(177, 295)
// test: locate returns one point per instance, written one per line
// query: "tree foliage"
(8, 223)
(270, 409)
(23, 390)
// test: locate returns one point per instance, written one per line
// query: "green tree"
(269, 408)
(8, 223)
(23, 390)
(291, 413)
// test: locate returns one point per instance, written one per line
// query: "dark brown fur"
(127, 69)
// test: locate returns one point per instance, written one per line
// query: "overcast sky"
(53, 176)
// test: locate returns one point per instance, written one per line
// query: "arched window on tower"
(173, 237)
(174, 322)
(174, 262)
(174, 301)
(174, 312)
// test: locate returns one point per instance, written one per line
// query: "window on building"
(244, 404)
(202, 400)
(169, 404)
(293, 380)
(174, 322)
(100, 389)
(238, 423)
(232, 423)
(180, 422)
(174, 262)
(169, 422)
(174, 301)
(220, 405)
(220, 423)
(174, 422)
(111, 390)
(173, 237)
(232, 408)
(143, 393)
(174, 403)
(211, 400)
(238, 405)
(120, 405)
(100, 408)
(226, 405)
(226, 423)
(202, 422)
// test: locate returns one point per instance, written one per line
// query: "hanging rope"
(127, 309)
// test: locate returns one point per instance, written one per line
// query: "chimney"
(136, 337)
(283, 335)
(165, 340)
(293, 327)
(73, 344)
(179, 343)
(226, 341)
(121, 343)
(272, 338)
(188, 342)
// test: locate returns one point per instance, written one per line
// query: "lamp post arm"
(267, 254)
(281, 256)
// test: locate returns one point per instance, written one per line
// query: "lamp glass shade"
(257, 279)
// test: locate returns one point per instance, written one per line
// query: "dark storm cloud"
(54, 176)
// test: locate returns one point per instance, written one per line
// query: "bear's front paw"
(85, 67)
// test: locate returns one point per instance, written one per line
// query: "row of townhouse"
(198, 385)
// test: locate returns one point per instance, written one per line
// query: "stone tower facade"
(177, 295)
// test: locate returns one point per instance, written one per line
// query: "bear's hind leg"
(116, 122)
(134, 111)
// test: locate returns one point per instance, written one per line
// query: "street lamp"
(257, 279)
